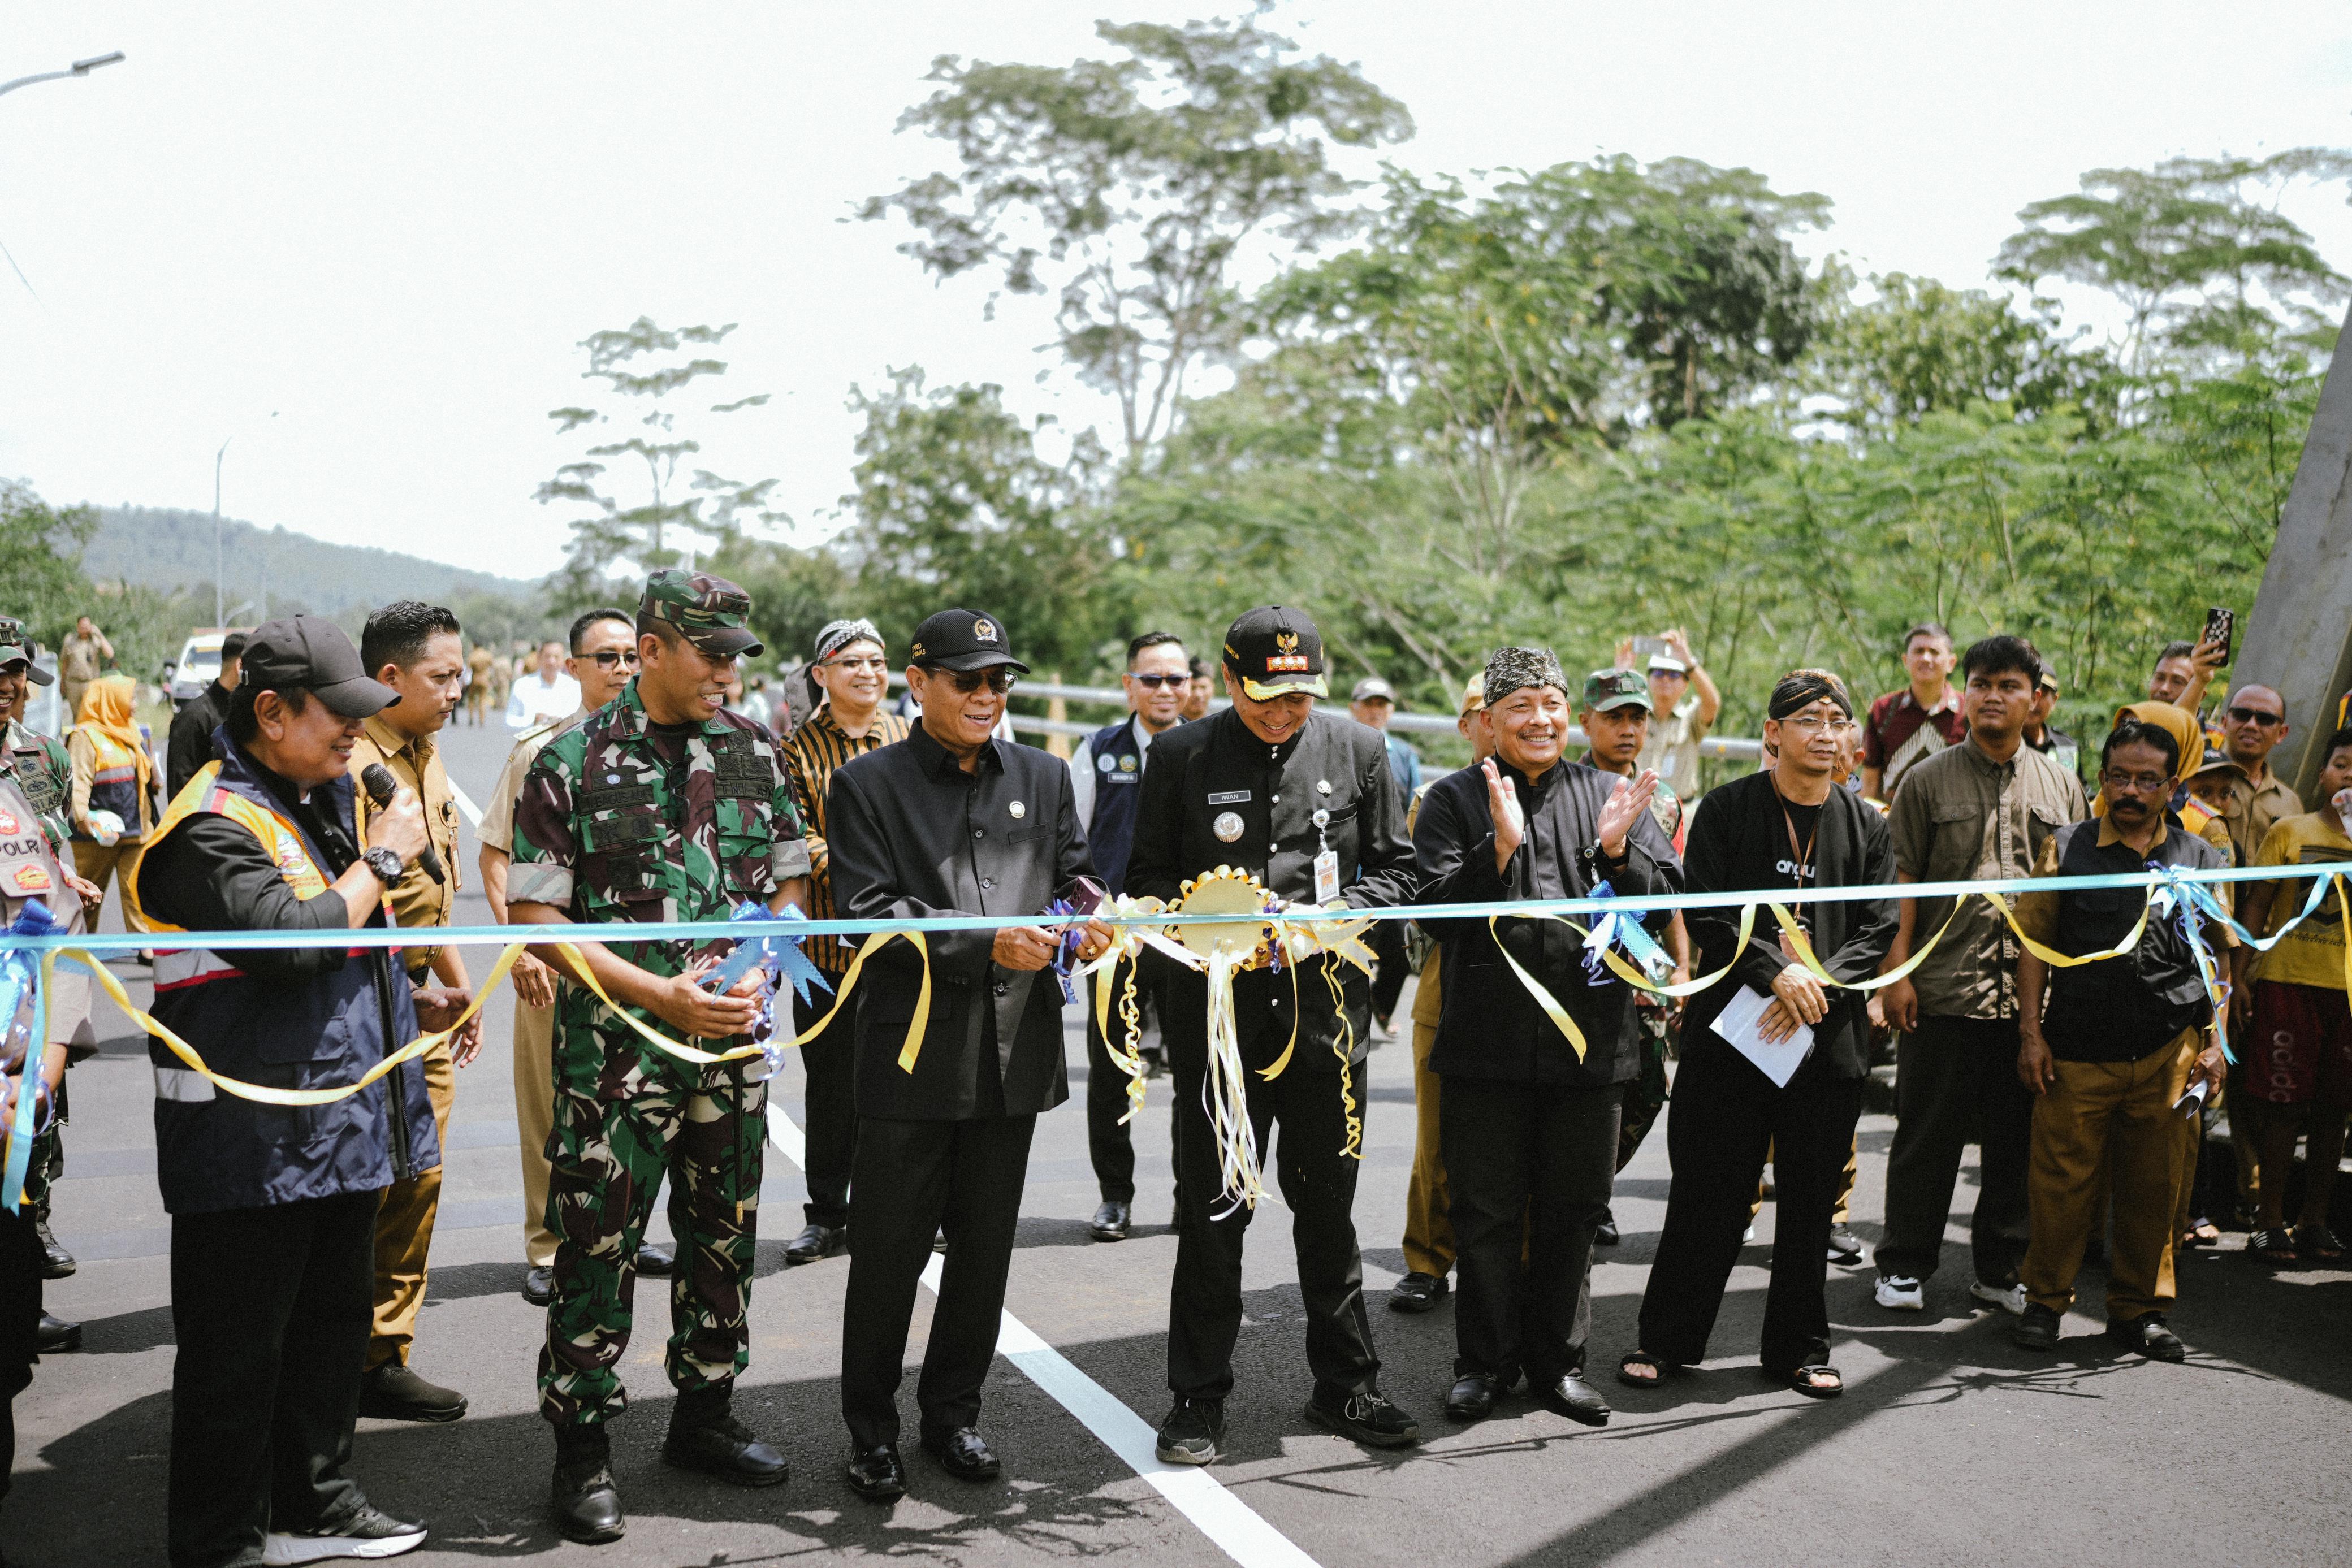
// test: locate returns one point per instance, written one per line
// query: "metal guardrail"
(1717, 745)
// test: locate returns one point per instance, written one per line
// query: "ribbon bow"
(1625, 931)
(779, 959)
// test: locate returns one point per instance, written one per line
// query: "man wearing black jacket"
(1529, 1119)
(1305, 802)
(191, 743)
(949, 822)
(1777, 832)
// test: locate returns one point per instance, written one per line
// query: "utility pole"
(218, 599)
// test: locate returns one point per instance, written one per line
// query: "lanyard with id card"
(1327, 863)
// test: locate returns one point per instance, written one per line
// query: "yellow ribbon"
(2056, 959)
(1559, 1014)
(1803, 945)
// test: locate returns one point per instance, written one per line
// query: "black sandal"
(1804, 1380)
(1660, 1370)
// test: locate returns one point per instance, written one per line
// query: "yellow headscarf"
(107, 719)
(2187, 734)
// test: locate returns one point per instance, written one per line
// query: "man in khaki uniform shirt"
(415, 649)
(81, 659)
(603, 656)
(1982, 809)
(2252, 725)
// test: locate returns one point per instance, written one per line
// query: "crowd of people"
(2071, 1036)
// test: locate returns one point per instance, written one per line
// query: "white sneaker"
(1748, 1236)
(370, 1534)
(2011, 1300)
(1902, 1294)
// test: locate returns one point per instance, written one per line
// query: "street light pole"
(217, 598)
(78, 69)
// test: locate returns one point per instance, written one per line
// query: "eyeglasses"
(1154, 682)
(2138, 783)
(999, 680)
(609, 657)
(873, 662)
(2256, 716)
(1807, 723)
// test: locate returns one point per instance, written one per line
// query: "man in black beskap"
(1785, 830)
(948, 821)
(1530, 1124)
(1271, 787)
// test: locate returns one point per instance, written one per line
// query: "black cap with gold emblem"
(963, 640)
(1275, 650)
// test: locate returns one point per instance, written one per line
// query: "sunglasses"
(1154, 682)
(999, 680)
(609, 657)
(2255, 715)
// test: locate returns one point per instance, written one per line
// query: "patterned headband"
(1803, 688)
(840, 634)
(1508, 669)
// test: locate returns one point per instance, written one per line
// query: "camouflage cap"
(15, 646)
(710, 612)
(1605, 689)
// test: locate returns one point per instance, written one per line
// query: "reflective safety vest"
(217, 1150)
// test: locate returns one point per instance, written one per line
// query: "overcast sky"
(362, 244)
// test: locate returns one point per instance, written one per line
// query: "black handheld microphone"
(380, 785)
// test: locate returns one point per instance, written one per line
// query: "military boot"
(587, 1503)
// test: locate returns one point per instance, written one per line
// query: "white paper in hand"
(1737, 1024)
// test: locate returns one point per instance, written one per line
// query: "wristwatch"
(384, 864)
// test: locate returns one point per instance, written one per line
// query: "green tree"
(1128, 187)
(1919, 348)
(648, 372)
(40, 560)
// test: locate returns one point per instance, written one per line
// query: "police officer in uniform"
(659, 806)
(950, 820)
(1304, 800)
(1106, 783)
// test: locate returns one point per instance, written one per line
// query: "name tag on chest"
(1326, 876)
(1229, 797)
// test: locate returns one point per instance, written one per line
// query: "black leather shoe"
(1192, 1433)
(55, 1334)
(1416, 1293)
(391, 1392)
(1578, 1400)
(964, 1454)
(1605, 1234)
(583, 1500)
(2147, 1336)
(878, 1475)
(2036, 1328)
(56, 1261)
(1474, 1396)
(1367, 1417)
(1109, 1223)
(656, 1259)
(721, 1446)
(539, 1285)
(817, 1241)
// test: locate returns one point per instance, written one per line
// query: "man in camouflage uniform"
(659, 806)
(39, 766)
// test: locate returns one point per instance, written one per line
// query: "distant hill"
(165, 549)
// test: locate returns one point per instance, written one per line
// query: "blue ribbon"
(778, 955)
(19, 973)
(1627, 932)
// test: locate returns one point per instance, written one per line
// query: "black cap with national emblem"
(15, 648)
(1275, 650)
(314, 653)
(708, 612)
(963, 640)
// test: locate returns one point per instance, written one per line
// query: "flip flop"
(1807, 1380)
(1660, 1370)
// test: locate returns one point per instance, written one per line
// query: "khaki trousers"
(534, 1095)
(2116, 1118)
(1428, 1232)
(94, 861)
(403, 1226)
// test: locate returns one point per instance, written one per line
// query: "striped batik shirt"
(813, 752)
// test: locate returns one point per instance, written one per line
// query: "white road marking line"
(1232, 1525)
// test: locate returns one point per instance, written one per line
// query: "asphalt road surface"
(1948, 1446)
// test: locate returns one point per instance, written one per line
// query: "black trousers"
(1317, 1180)
(1386, 940)
(1956, 1083)
(20, 1322)
(831, 1064)
(1724, 1113)
(271, 1308)
(1528, 1169)
(913, 1179)
(1109, 1142)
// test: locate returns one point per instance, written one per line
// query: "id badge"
(1326, 876)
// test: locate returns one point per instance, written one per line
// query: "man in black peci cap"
(273, 1207)
(1304, 802)
(950, 820)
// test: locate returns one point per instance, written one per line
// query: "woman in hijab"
(113, 792)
